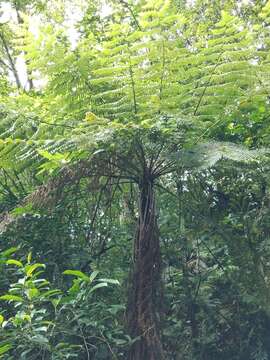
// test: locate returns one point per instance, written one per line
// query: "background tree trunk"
(145, 291)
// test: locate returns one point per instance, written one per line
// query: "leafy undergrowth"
(41, 322)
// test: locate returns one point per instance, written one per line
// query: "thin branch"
(124, 3)
(141, 154)
(6, 65)
(57, 124)
(155, 158)
(11, 62)
(168, 168)
(162, 74)
(96, 209)
(133, 87)
(166, 190)
(214, 256)
(206, 86)
(27, 62)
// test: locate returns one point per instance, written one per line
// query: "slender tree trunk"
(145, 291)
(27, 62)
(12, 65)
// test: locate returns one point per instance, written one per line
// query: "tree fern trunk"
(143, 309)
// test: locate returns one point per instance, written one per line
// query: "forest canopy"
(134, 184)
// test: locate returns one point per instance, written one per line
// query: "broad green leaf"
(93, 275)
(120, 341)
(9, 297)
(9, 252)
(110, 281)
(14, 262)
(32, 293)
(29, 269)
(49, 293)
(5, 348)
(76, 273)
(100, 285)
(29, 257)
(20, 210)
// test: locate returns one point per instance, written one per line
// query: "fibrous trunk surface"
(145, 292)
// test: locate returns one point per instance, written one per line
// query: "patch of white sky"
(73, 14)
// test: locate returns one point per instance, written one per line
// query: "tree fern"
(133, 104)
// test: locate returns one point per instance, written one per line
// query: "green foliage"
(55, 324)
(174, 92)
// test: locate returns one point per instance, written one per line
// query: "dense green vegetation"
(134, 180)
